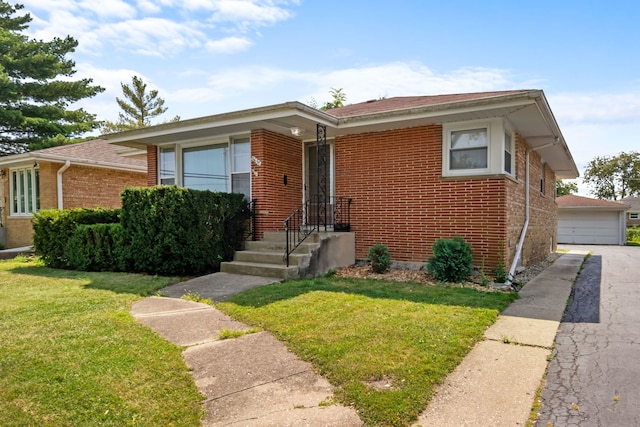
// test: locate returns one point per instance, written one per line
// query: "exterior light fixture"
(296, 131)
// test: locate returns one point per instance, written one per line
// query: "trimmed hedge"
(177, 231)
(53, 228)
(96, 247)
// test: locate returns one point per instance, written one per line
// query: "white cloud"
(247, 11)
(109, 9)
(228, 45)
(151, 36)
(597, 107)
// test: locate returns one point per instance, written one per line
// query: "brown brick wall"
(88, 187)
(279, 155)
(84, 187)
(402, 201)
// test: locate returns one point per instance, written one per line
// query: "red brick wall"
(542, 231)
(152, 165)
(279, 155)
(402, 201)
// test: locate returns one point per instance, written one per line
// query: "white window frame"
(496, 129)
(30, 200)
(511, 150)
(634, 215)
(227, 140)
(167, 178)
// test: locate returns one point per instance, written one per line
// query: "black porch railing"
(251, 230)
(314, 215)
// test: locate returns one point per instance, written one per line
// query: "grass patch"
(72, 354)
(359, 333)
(226, 334)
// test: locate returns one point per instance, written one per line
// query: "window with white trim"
(469, 149)
(241, 167)
(25, 191)
(508, 156)
(224, 166)
(167, 166)
(478, 147)
(634, 215)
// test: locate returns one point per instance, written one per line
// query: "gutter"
(64, 167)
(523, 235)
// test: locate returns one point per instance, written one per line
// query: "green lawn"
(71, 354)
(385, 345)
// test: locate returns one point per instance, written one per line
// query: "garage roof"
(573, 201)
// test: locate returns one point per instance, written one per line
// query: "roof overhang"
(526, 111)
(31, 158)
(621, 208)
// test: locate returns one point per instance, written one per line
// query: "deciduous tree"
(614, 177)
(565, 188)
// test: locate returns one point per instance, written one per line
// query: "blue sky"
(213, 56)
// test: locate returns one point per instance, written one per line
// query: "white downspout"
(514, 264)
(59, 181)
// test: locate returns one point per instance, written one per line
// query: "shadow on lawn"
(124, 283)
(407, 291)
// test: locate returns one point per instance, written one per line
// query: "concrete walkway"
(255, 381)
(252, 380)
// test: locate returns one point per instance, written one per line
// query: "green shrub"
(53, 228)
(633, 234)
(95, 248)
(501, 274)
(452, 260)
(380, 258)
(177, 231)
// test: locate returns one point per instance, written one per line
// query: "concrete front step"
(279, 271)
(281, 236)
(265, 257)
(274, 246)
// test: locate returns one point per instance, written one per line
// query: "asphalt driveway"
(594, 377)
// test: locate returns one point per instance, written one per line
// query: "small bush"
(380, 258)
(633, 235)
(452, 260)
(500, 273)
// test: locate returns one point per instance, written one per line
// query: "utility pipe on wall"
(514, 264)
(59, 182)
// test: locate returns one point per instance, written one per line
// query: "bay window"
(477, 147)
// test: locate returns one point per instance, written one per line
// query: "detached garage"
(582, 220)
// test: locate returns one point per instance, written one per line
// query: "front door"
(316, 187)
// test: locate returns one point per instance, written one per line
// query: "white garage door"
(588, 227)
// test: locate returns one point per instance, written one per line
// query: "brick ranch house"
(83, 175)
(479, 165)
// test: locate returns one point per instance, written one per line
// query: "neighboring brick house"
(478, 165)
(633, 214)
(83, 175)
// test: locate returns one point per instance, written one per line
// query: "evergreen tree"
(138, 107)
(34, 101)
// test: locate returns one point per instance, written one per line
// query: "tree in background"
(33, 101)
(565, 188)
(138, 107)
(615, 177)
(339, 97)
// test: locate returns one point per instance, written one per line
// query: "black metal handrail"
(251, 233)
(311, 216)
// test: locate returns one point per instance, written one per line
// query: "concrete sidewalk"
(495, 384)
(252, 380)
(255, 381)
